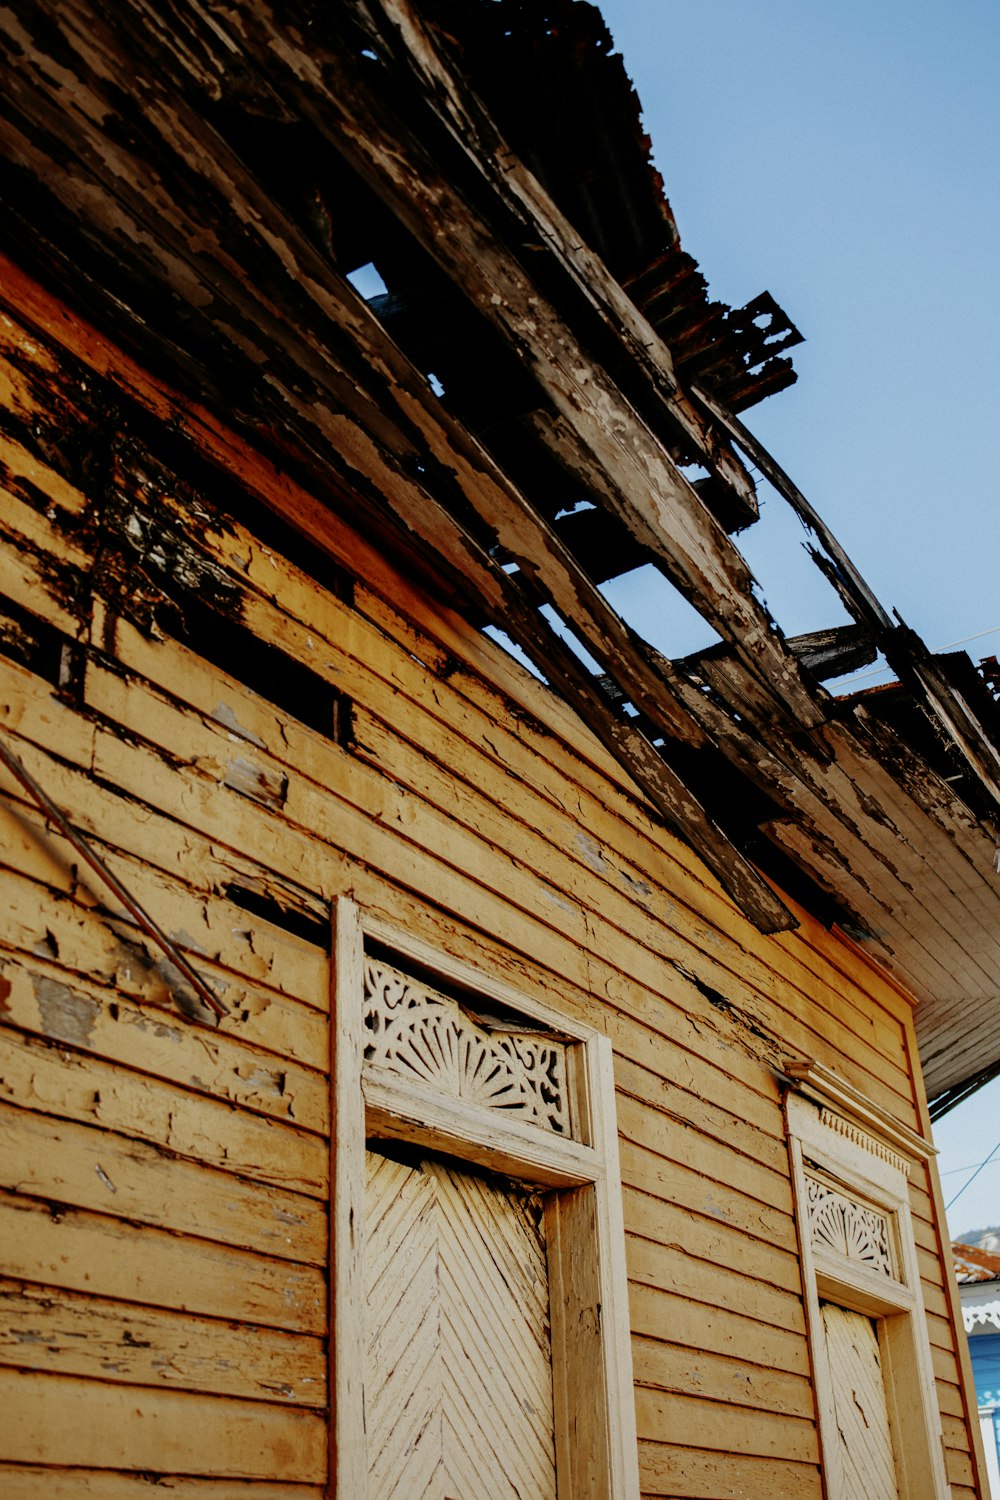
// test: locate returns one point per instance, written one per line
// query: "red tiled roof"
(973, 1265)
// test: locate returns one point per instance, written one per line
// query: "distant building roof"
(973, 1265)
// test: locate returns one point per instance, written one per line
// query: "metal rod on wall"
(141, 916)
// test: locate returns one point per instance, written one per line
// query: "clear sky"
(846, 158)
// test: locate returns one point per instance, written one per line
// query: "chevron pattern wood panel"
(458, 1388)
(859, 1397)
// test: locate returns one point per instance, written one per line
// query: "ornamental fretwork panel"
(839, 1224)
(415, 1032)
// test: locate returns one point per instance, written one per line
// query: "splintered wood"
(165, 1182)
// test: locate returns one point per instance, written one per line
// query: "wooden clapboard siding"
(172, 1242)
(52, 1245)
(682, 1371)
(103, 1339)
(688, 1469)
(702, 1329)
(59, 1419)
(69, 1009)
(59, 1082)
(26, 1482)
(502, 835)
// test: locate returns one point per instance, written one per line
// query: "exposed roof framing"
(200, 178)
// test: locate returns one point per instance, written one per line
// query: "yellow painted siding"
(164, 1203)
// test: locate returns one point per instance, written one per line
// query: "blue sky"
(847, 159)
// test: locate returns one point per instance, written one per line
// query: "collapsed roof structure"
(334, 340)
(878, 809)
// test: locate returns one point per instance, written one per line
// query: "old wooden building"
(422, 1075)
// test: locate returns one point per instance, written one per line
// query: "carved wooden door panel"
(458, 1384)
(865, 1440)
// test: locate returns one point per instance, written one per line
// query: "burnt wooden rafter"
(125, 132)
(399, 442)
(306, 359)
(835, 651)
(903, 649)
(400, 147)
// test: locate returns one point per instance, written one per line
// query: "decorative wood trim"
(861, 1138)
(596, 1442)
(613, 1278)
(840, 1224)
(986, 1312)
(857, 1112)
(840, 1167)
(413, 1031)
(414, 1113)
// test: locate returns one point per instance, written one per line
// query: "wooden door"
(864, 1436)
(458, 1384)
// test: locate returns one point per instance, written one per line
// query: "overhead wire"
(982, 1164)
(876, 671)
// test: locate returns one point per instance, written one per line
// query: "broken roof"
(542, 397)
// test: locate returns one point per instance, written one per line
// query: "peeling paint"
(223, 714)
(637, 887)
(591, 852)
(66, 1015)
(256, 782)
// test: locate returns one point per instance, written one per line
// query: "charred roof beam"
(974, 734)
(415, 151)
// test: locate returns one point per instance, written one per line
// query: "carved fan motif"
(840, 1224)
(413, 1030)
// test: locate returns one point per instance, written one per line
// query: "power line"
(975, 1174)
(967, 1168)
(877, 671)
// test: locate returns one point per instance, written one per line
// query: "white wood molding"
(980, 1306)
(578, 1171)
(857, 1112)
(348, 1468)
(840, 1140)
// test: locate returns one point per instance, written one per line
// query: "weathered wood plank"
(91, 945)
(728, 1429)
(27, 530)
(97, 1339)
(31, 1483)
(689, 1471)
(102, 1022)
(56, 1246)
(679, 1370)
(90, 1168)
(24, 580)
(643, 1170)
(22, 470)
(680, 1143)
(211, 928)
(58, 1420)
(710, 1261)
(47, 1077)
(699, 1328)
